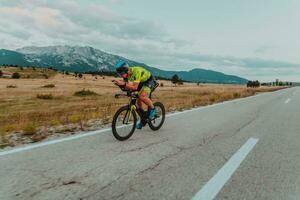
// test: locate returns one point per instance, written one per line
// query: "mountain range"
(88, 59)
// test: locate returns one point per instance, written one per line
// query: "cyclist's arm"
(131, 85)
(127, 85)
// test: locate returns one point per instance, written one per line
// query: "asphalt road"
(203, 151)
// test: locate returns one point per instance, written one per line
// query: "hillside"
(28, 72)
(88, 59)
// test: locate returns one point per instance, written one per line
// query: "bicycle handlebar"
(129, 93)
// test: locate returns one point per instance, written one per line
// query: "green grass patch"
(236, 95)
(84, 92)
(30, 129)
(8, 128)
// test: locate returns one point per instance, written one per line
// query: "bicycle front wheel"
(124, 122)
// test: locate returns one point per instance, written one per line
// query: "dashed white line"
(215, 184)
(287, 101)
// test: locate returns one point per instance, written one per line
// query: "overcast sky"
(254, 39)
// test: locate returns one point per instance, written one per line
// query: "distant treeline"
(276, 83)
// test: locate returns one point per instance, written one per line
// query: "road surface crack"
(144, 147)
(105, 186)
(245, 125)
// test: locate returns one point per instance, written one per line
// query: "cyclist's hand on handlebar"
(114, 81)
(118, 82)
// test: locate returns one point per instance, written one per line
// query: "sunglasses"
(122, 70)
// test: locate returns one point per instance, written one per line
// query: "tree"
(175, 79)
(253, 84)
(1, 73)
(16, 75)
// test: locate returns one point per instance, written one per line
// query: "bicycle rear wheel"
(159, 119)
(123, 124)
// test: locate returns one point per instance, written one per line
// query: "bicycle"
(125, 119)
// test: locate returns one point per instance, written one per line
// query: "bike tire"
(151, 124)
(114, 123)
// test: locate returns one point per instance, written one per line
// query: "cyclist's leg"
(144, 96)
(139, 103)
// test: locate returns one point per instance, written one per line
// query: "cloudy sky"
(254, 39)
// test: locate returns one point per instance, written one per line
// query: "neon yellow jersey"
(139, 75)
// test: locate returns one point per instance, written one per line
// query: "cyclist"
(140, 79)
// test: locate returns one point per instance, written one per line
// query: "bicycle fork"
(128, 114)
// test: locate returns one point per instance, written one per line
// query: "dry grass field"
(31, 107)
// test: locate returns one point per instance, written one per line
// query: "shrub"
(11, 86)
(54, 122)
(45, 76)
(44, 96)
(236, 95)
(214, 98)
(74, 118)
(84, 92)
(161, 84)
(49, 86)
(37, 137)
(16, 75)
(4, 142)
(30, 129)
(1, 73)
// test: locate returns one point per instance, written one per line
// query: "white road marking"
(33, 146)
(215, 184)
(287, 101)
(74, 137)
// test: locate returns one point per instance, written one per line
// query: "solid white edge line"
(33, 146)
(210, 190)
(81, 135)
